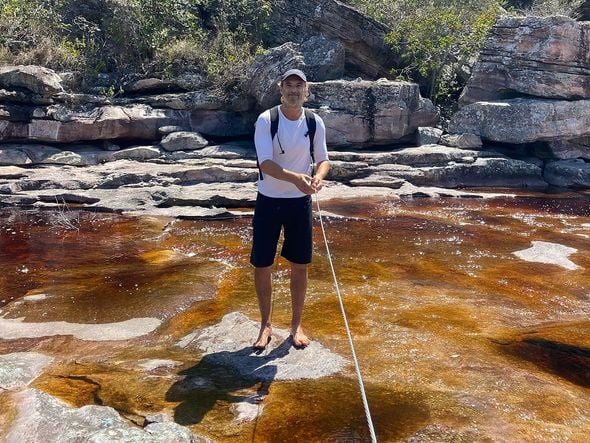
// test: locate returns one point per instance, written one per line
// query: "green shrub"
(438, 40)
(544, 8)
(120, 37)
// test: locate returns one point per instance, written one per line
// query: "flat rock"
(229, 343)
(20, 368)
(183, 141)
(550, 253)
(153, 364)
(185, 213)
(479, 172)
(16, 328)
(41, 417)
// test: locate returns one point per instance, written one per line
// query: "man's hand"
(317, 183)
(304, 183)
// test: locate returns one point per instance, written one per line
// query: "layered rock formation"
(367, 53)
(532, 85)
(531, 56)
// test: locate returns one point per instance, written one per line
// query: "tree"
(437, 39)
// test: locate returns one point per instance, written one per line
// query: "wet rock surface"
(19, 369)
(40, 417)
(230, 343)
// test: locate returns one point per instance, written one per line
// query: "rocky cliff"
(530, 90)
(522, 123)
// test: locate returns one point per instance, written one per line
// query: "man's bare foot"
(263, 338)
(300, 340)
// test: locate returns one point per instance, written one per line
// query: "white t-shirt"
(292, 140)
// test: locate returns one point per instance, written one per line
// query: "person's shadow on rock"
(219, 377)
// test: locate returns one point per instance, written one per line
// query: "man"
(285, 187)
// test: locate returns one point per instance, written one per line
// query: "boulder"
(523, 120)
(428, 136)
(183, 141)
(36, 79)
(72, 80)
(546, 57)
(568, 173)
(165, 130)
(569, 149)
(324, 58)
(363, 38)
(147, 85)
(462, 141)
(13, 156)
(371, 112)
(265, 73)
(319, 57)
(140, 153)
(189, 81)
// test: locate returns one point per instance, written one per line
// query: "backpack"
(274, 127)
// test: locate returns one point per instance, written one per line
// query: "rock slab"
(229, 343)
(20, 368)
(43, 418)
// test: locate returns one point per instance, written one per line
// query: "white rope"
(356, 363)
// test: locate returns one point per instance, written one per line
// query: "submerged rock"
(229, 343)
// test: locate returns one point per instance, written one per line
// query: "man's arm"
(317, 182)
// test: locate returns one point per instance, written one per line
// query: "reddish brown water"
(458, 339)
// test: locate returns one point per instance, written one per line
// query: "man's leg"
(298, 290)
(263, 284)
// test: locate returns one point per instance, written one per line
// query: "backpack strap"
(311, 126)
(274, 121)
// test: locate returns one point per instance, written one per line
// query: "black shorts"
(272, 214)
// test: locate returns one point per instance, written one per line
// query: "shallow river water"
(458, 338)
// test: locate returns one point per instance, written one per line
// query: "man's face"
(293, 91)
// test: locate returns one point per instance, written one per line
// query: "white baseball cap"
(295, 72)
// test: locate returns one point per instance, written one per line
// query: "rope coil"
(356, 363)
